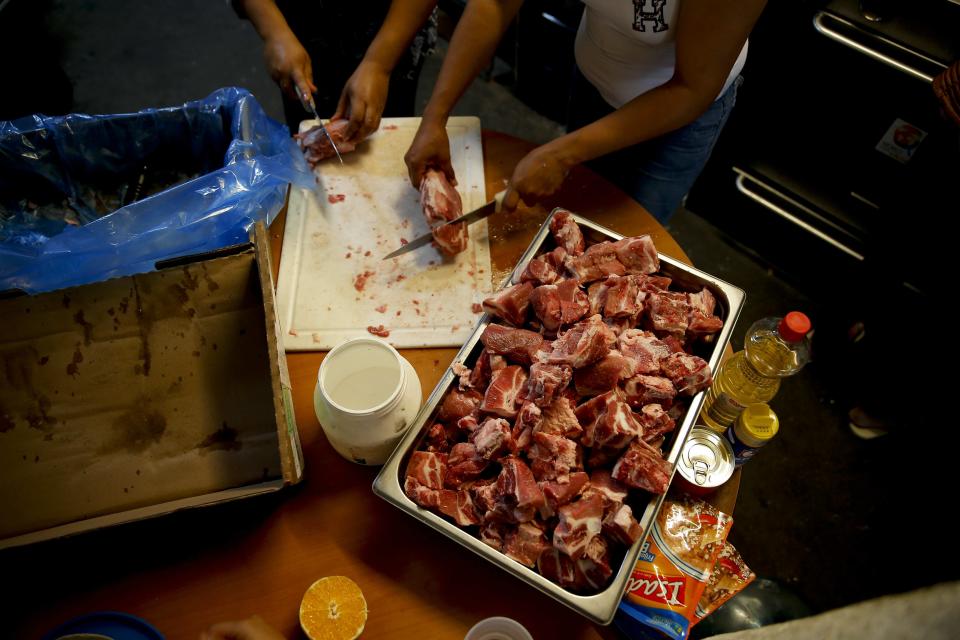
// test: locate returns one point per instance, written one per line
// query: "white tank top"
(626, 48)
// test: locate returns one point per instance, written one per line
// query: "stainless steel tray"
(602, 606)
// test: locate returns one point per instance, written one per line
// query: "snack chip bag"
(672, 572)
(729, 577)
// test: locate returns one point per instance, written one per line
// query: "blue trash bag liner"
(85, 198)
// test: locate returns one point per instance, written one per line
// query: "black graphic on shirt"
(642, 15)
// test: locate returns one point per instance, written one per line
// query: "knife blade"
(468, 218)
(308, 104)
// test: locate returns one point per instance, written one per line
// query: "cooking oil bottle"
(774, 348)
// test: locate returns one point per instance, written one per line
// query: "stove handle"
(786, 215)
(819, 23)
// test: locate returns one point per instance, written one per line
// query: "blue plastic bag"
(244, 158)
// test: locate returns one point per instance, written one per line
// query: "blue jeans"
(658, 173)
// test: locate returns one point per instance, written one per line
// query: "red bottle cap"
(794, 326)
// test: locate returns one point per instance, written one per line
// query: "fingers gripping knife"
(307, 101)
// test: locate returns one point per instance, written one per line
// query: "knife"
(468, 218)
(307, 101)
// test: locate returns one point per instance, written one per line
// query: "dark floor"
(820, 511)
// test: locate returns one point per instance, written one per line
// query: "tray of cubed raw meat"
(549, 443)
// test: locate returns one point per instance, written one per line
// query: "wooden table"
(186, 571)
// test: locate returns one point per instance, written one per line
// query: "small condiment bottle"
(755, 427)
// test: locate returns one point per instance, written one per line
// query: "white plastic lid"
(498, 628)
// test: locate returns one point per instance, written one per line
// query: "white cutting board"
(422, 299)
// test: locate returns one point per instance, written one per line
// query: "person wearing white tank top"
(654, 85)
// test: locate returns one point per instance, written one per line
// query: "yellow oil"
(749, 376)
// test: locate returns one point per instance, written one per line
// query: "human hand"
(539, 174)
(362, 100)
(430, 148)
(289, 65)
(253, 628)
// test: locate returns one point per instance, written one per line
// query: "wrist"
(566, 150)
(434, 116)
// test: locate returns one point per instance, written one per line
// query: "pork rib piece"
(545, 269)
(638, 255)
(525, 543)
(644, 349)
(702, 320)
(615, 425)
(598, 261)
(642, 390)
(493, 439)
(603, 375)
(688, 373)
(566, 233)
(441, 203)
(546, 381)
(458, 404)
(517, 345)
(580, 522)
(558, 494)
(528, 420)
(655, 422)
(557, 305)
(584, 343)
(669, 312)
(511, 304)
(620, 525)
(502, 397)
(642, 467)
(559, 419)
(621, 298)
(611, 492)
(519, 497)
(553, 457)
(316, 146)
(459, 506)
(464, 463)
(427, 468)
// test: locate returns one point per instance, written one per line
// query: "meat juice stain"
(226, 438)
(73, 368)
(135, 430)
(144, 324)
(211, 283)
(87, 327)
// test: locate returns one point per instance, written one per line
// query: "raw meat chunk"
(559, 419)
(597, 296)
(614, 428)
(525, 543)
(559, 568)
(620, 525)
(603, 375)
(580, 522)
(642, 467)
(493, 439)
(553, 457)
(655, 421)
(428, 469)
(511, 304)
(638, 255)
(517, 345)
(566, 233)
(504, 391)
(644, 349)
(441, 203)
(463, 464)
(611, 492)
(594, 566)
(545, 269)
(621, 299)
(669, 312)
(493, 532)
(459, 506)
(688, 373)
(598, 261)
(458, 404)
(558, 305)
(642, 390)
(545, 382)
(316, 146)
(582, 344)
(463, 374)
(702, 320)
(558, 494)
(518, 490)
(528, 420)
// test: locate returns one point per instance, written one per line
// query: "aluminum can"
(706, 461)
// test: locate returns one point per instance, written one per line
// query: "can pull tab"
(700, 469)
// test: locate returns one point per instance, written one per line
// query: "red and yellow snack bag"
(729, 577)
(671, 574)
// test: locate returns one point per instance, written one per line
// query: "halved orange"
(333, 608)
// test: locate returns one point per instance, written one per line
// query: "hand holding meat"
(316, 145)
(539, 174)
(430, 148)
(362, 101)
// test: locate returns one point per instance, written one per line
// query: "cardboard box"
(138, 396)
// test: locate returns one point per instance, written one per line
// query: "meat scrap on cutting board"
(551, 440)
(441, 203)
(316, 146)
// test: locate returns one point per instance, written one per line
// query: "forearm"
(266, 18)
(403, 20)
(473, 44)
(647, 116)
